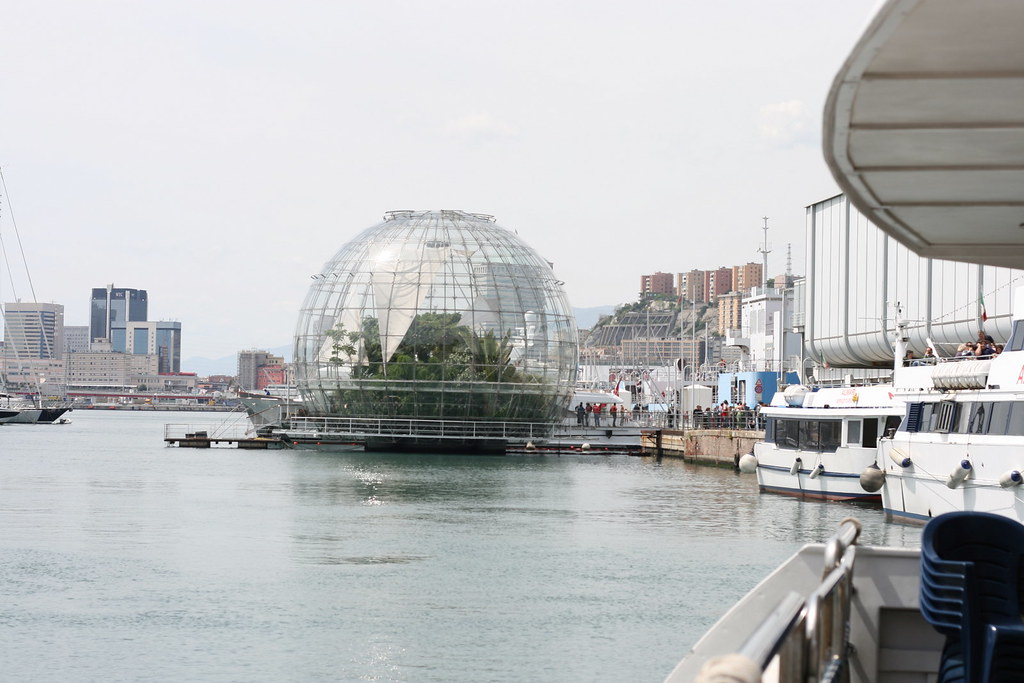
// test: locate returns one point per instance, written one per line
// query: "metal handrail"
(827, 627)
(764, 643)
(456, 429)
(811, 636)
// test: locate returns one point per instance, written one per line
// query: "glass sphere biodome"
(437, 315)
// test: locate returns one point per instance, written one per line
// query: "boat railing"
(232, 432)
(328, 427)
(810, 636)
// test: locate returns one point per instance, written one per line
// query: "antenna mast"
(764, 251)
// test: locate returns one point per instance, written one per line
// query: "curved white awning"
(924, 127)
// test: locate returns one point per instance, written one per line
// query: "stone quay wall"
(720, 447)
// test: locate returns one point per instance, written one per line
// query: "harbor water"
(123, 559)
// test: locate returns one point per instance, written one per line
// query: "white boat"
(844, 612)
(823, 444)
(961, 444)
(273, 407)
(17, 410)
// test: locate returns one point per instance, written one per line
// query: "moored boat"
(960, 444)
(271, 408)
(823, 444)
(16, 410)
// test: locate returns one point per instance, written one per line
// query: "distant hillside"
(228, 365)
(587, 317)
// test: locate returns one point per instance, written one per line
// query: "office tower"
(33, 331)
(162, 339)
(112, 305)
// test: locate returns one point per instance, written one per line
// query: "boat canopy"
(924, 128)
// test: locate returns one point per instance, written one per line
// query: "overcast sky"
(218, 153)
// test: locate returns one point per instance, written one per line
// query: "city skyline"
(223, 157)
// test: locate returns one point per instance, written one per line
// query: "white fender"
(795, 467)
(957, 476)
(816, 472)
(585, 447)
(530, 446)
(872, 478)
(1011, 478)
(748, 463)
(900, 458)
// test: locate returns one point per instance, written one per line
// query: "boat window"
(1015, 427)
(965, 417)
(869, 438)
(829, 433)
(853, 432)
(892, 423)
(769, 430)
(979, 412)
(1000, 416)
(787, 434)
(809, 435)
(1016, 342)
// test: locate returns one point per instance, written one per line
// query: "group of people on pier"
(591, 414)
(726, 416)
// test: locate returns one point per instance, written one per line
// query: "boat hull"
(33, 415)
(919, 492)
(839, 481)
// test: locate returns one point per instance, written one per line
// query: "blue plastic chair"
(971, 566)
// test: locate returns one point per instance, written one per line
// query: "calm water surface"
(122, 559)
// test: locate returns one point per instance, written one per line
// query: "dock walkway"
(235, 436)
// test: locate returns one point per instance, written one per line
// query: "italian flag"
(984, 313)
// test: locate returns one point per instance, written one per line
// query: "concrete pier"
(720, 447)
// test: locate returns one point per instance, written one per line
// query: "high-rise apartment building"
(730, 313)
(717, 282)
(658, 283)
(112, 305)
(747, 276)
(691, 286)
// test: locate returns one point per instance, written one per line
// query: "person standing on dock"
(597, 414)
(613, 411)
(586, 415)
(581, 414)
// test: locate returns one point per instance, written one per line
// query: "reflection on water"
(122, 558)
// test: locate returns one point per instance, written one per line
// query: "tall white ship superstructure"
(961, 443)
